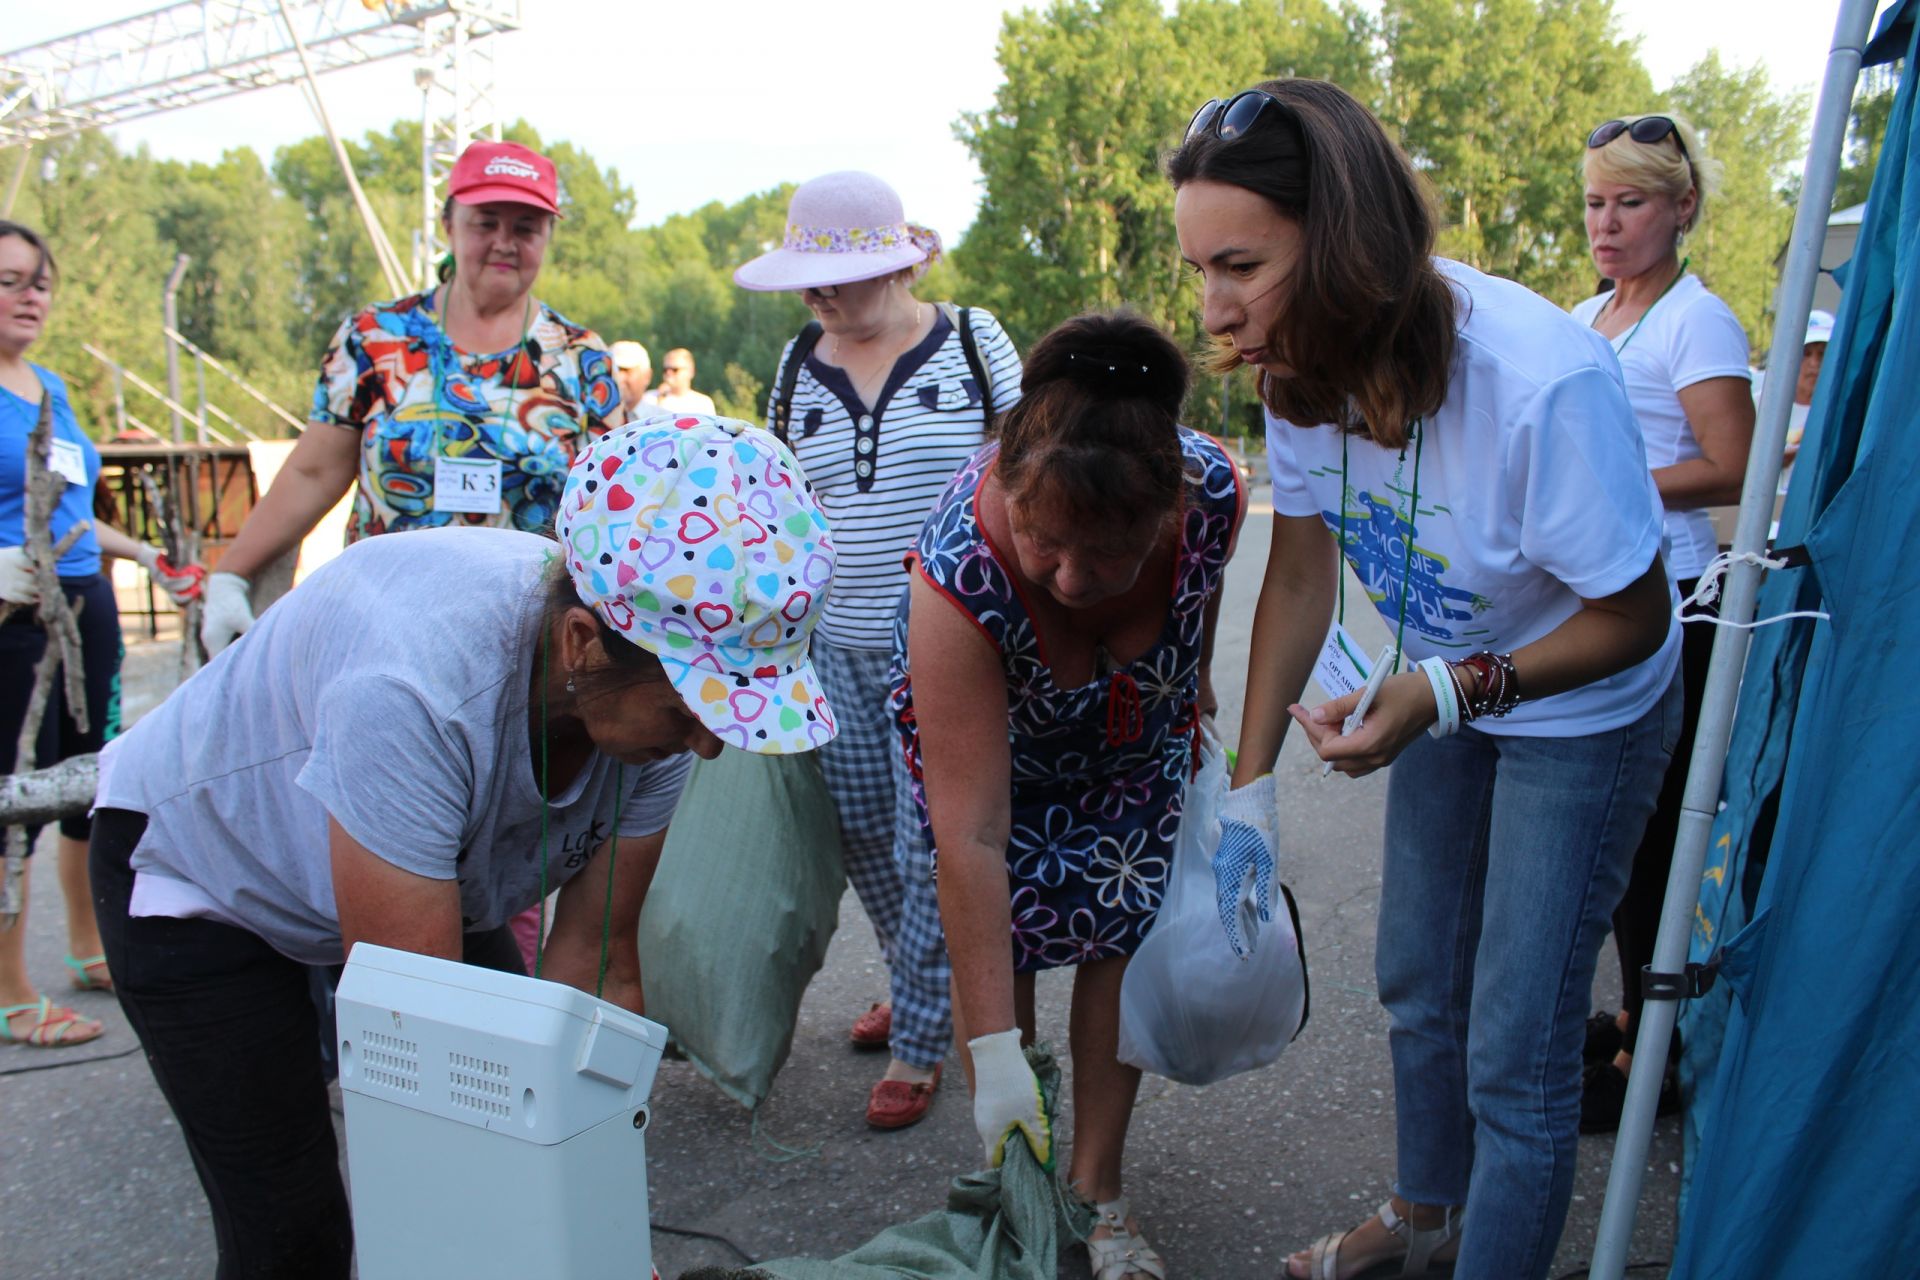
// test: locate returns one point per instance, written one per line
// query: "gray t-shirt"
(391, 692)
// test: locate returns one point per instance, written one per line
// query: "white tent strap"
(1709, 590)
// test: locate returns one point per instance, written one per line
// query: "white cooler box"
(496, 1125)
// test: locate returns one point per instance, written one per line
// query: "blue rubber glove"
(1248, 841)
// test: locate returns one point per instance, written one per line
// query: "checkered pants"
(867, 779)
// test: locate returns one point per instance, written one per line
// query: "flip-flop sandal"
(1416, 1262)
(55, 1028)
(83, 976)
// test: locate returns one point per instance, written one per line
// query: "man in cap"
(633, 370)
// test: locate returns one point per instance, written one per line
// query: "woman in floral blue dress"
(1050, 676)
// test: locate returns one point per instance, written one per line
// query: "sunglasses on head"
(1647, 130)
(1230, 118)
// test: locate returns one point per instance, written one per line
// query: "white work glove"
(1006, 1097)
(228, 611)
(181, 585)
(1249, 846)
(17, 583)
(1257, 805)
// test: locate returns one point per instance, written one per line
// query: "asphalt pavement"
(95, 1183)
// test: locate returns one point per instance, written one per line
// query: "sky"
(714, 101)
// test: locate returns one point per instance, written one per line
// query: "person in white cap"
(430, 735)
(633, 370)
(1813, 355)
(1684, 357)
(883, 398)
(460, 405)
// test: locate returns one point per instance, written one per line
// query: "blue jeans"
(1505, 857)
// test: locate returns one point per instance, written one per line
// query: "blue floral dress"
(1099, 771)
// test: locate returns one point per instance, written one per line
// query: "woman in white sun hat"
(360, 790)
(883, 397)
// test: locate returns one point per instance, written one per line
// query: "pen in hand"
(1388, 657)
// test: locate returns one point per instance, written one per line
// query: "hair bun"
(1111, 356)
(1110, 372)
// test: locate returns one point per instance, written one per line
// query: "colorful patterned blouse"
(430, 414)
(1099, 771)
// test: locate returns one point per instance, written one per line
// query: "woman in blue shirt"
(26, 296)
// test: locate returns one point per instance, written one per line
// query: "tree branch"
(59, 619)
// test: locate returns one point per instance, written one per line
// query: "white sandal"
(1422, 1243)
(1123, 1253)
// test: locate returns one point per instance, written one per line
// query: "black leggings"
(229, 1029)
(1636, 921)
(22, 641)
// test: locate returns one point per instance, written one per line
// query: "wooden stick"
(59, 619)
(32, 799)
(180, 552)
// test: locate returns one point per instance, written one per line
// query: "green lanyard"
(453, 355)
(1677, 278)
(1413, 509)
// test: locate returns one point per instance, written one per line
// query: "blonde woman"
(1684, 358)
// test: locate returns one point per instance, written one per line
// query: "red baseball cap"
(505, 171)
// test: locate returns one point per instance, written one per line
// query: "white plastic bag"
(1191, 1007)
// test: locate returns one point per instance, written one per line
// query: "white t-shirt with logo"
(1534, 493)
(1688, 336)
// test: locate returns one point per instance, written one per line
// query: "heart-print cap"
(699, 539)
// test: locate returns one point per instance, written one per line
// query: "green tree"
(1078, 213)
(95, 206)
(1493, 100)
(244, 239)
(1866, 130)
(1758, 137)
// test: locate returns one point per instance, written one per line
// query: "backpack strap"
(961, 318)
(803, 345)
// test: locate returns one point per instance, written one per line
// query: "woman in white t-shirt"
(1684, 359)
(1472, 448)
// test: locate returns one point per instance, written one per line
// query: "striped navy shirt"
(928, 422)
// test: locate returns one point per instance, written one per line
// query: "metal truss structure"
(197, 51)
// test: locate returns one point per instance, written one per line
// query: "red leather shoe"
(872, 1029)
(895, 1104)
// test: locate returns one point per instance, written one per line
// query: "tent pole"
(1702, 797)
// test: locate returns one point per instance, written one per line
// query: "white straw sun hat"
(841, 228)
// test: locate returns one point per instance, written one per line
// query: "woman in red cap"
(460, 405)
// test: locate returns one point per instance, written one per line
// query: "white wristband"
(1444, 698)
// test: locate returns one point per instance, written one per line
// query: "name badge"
(467, 485)
(1342, 665)
(69, 460)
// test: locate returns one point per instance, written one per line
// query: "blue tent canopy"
(1802, 1147)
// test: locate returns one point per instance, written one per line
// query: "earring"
(570, 688)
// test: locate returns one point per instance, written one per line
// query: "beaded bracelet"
(1499, 690)
(1445, 697)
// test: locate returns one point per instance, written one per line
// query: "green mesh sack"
(1008, 1223)
(739, 914)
